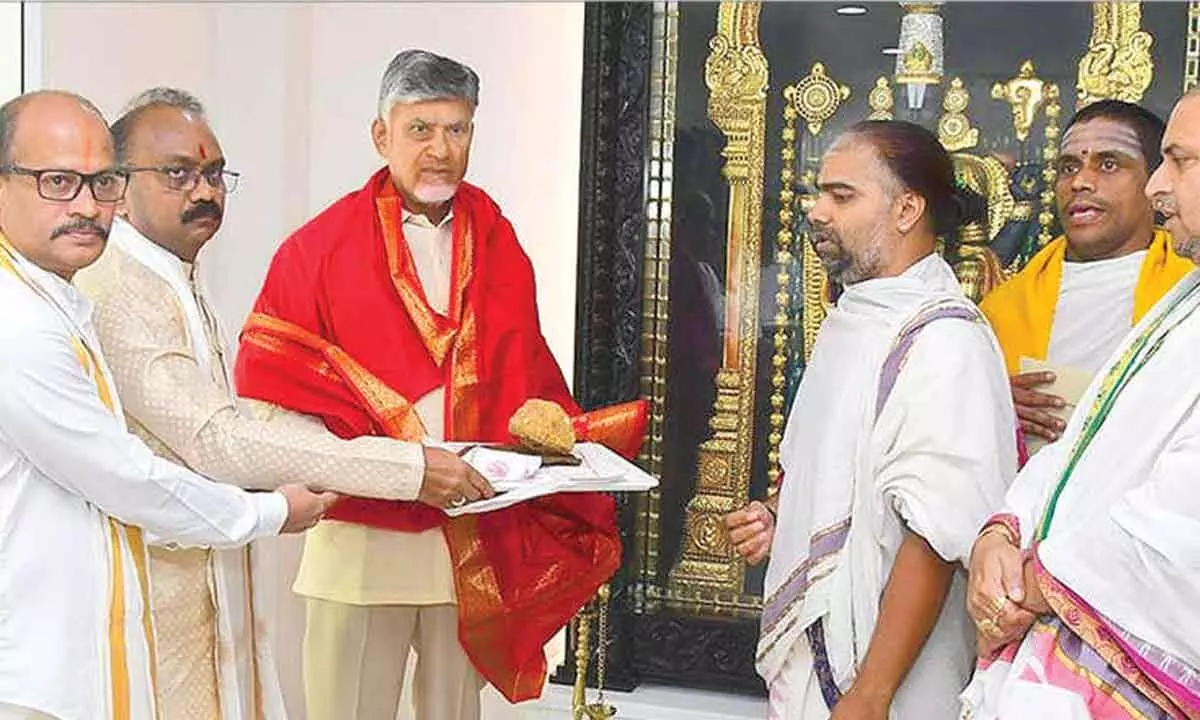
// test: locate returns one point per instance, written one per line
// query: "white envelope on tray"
(503, 469)
(600, 470)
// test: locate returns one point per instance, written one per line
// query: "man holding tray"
(407, 308)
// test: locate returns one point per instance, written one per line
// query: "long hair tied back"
(917, 159)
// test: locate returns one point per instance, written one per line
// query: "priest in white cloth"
(80, 497)
(165, 348)
(900, 443)
(1085, 587)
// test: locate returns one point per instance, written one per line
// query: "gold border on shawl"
(478, 590)
(1084, 624)
(277, 346)
(437, 333)
(280, 337)
(462, 394)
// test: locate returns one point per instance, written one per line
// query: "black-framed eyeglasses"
(108, 186)
(185, 178)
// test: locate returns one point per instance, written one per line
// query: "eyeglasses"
(108, 186)
(184, 178)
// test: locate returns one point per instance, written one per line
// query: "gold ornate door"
(744, 98)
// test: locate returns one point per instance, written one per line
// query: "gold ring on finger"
(999, 603)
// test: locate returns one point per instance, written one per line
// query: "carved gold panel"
(763, 240)
(1117, 63)
(737, 79)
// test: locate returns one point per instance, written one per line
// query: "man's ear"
(909, 208)
(379, 135)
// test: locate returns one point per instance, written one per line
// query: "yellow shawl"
(1021, 310)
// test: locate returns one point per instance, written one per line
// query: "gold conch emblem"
(1025, 93)
(816, 97)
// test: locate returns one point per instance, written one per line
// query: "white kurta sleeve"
(948, 436)
(1139, 563)
(50, 411)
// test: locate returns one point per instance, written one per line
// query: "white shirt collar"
(127, 237)
(74, 303)
(407, 216)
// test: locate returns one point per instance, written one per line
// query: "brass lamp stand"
(599, 710)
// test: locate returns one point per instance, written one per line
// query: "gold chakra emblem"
(816, 97)
(881, 100)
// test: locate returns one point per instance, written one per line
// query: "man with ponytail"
(899, 444)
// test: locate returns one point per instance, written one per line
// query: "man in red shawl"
(407, 308)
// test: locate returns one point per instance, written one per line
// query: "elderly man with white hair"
(407, 308)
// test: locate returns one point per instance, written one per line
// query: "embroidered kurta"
(167, 355)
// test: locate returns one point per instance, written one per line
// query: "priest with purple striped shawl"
(900, 444)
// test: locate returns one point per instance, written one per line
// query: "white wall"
(291, 92)
(10, 50)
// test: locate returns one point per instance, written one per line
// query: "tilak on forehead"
(1097, 136)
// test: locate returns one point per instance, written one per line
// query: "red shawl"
(342, 330)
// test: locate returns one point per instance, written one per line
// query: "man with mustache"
(1085, 586)
(80, 497)
(1076, 299)
(899, 443)
(168, 358)
(416, 298)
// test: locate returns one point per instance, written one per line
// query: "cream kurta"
(375, 593)
(69, 472)
(359, 565)
(167, 357)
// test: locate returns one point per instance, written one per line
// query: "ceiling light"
(852, 10)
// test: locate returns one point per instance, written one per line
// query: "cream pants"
(355, 657)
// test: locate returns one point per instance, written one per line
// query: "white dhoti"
(795, 693)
